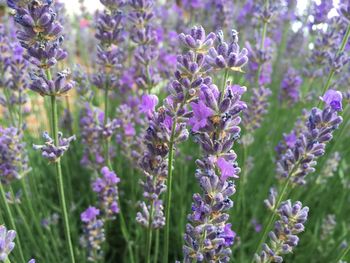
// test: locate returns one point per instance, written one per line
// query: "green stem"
(343, 255)
(7, 260)
(156, 250)
(332, 72)
(149, 234)
(125, 233)
(170, 183)
(124, 229)
(106, 101)
(58, 168)
(12, 221)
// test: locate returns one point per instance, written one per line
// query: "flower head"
(201, 113)
(333, 98)
(6, 242)
(89, 214)
(148, 104)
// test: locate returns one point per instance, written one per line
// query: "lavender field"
(154, 131)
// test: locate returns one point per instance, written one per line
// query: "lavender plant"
(41, 35)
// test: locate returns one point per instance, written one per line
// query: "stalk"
(149, 234)
(54, 128)
(156, 250)
(60, 180)
(106, 101)
(168, 200)
(124, 229)
(332, 72)
(343, 255)
(12, 221)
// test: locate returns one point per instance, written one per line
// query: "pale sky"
(73, 5)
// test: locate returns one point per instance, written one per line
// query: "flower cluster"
(329, 168)
(328, 225)
(93, 233)
(283, 238)
(41, 34)
(214, 124)
(258, 107)
(13, 156)
(227, 56)
(171, 117)
(52, 152)
(299, 159)
(107, 191)
(260, 59)
(89, 123)
(6, 242)
(290, 87)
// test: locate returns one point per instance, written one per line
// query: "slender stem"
(332, 72)
(343, 255)
(156, 250)
(12, 221)
(106, 101)
(58, 168)
(125, 233)
(149, 234)
(124, 229)
(7, 260)
(170, 183)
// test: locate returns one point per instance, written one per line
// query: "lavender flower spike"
(6, 242)
(13, 156)
(93, 233)
(107, 191)
(52, 152)
(283, 238)
(299, 159)
(208, 235)
(227, 56)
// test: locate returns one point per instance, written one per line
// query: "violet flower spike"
(6, 242)
(227, 55)
(52, 152)
(283, 239)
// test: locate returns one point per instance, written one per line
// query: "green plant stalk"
(12, 221)
(332, 72)
(149, 234)
(7, 260)
(156, 250)
(59, 175)
(106, 101)
(343, 255)
(107, 159)
(168, 198)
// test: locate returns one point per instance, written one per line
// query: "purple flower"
(89, 214)
(283, 239)
(6, 242)
(197, 40)
(290, 86)
(107, 191)
(13, 156)
(148, 104)
(201, 113)
(227, 169)
(93, 233)
(299, 160)
(227, 56)
(51, 151)
(333, 98)
(290, 139)
(228, 235)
